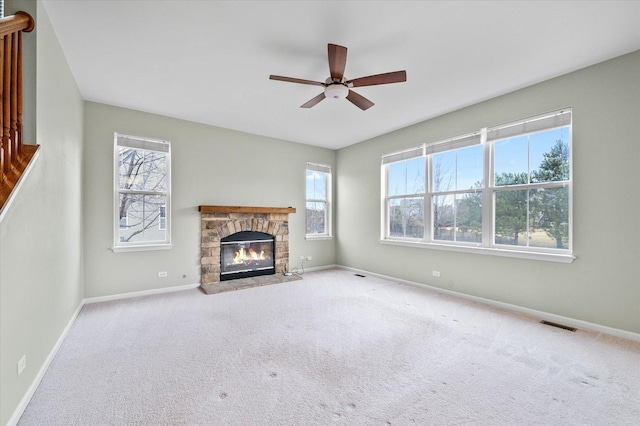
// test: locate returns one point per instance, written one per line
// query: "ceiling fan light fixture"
(336, 91)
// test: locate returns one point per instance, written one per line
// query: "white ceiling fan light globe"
(336, 91)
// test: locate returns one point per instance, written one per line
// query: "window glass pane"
(549, 218)
(469, 217)
(444, 171)
(549, 155)
(129, 162)
(443, 217)
(163, 218)
(316, 185)
(406, 217)
(406, 177)
(316, 217)
(396, 221)
(458, 169)
(511, 217)
(470, 168)
(415, 217)
(141, 170)
(511, 161)
(141, 214)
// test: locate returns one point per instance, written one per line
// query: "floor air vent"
(358, 275)
(555, 324)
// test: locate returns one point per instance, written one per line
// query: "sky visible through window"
(316, 185)
(459, 169)
(463, 168)
(407, 177)
(524, 154)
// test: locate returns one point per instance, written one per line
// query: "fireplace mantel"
(246, 209)
(218, 222)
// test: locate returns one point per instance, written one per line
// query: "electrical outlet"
(22, 364)
(162, 274)
(436, 273)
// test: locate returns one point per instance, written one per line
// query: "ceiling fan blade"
(313, 101)
(337, 61)
(359, 100)
(372, 80)
(295, 80)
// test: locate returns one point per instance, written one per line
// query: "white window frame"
(122, 140)
(326, 170)
(486, 137)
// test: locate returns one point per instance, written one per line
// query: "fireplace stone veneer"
(218, 222)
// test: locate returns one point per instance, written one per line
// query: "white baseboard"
(139, 293)
(515, 308)
(320, 268)
(43, 370)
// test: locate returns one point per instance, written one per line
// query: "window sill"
(141, 247)
(311, 237)
(491, 251)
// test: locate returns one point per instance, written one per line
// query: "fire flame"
(242, 256)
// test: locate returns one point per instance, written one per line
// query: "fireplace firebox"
(246, 254)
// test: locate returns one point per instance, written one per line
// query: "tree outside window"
(532, 199)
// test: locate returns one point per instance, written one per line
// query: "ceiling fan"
(337, 87)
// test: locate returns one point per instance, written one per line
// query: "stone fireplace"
(225, 226)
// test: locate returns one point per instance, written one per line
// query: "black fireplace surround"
(246, 254)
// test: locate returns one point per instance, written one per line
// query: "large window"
(142, 193)
(318, 201)
(503, 188)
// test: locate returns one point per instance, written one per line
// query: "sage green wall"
(41, 235)
(210, 166)
(602, 285)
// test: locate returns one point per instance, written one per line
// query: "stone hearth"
(218, 222)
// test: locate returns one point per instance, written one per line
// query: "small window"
(142, 195)
(318, 200)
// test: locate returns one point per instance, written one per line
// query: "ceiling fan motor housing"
(336, 91)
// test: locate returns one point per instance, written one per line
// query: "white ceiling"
(210, 61)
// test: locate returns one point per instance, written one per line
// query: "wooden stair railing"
(14, 155)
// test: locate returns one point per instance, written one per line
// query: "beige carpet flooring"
(331, 349)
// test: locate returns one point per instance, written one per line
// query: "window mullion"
(135, 192)
(488, 214)
(428, 205)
